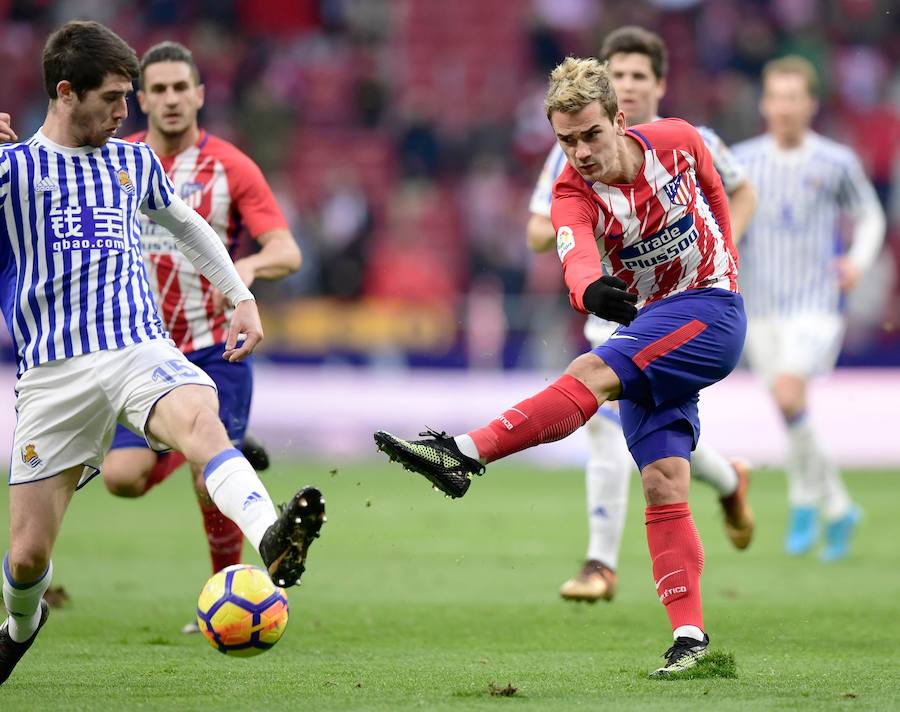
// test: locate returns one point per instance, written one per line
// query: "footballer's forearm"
(539, 233)
(741, 204)
(278, 257)
(868, 234)
(203, 247)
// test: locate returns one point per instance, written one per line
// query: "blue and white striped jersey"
(729, 170)
(788, 251)
(72, 278)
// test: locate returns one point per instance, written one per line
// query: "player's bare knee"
(657, 487)
(28, 562)
(179, 408)
(789, 393)
(666, 481)
(596, 374)
(790, 407)
(123, 481)
(126, 487)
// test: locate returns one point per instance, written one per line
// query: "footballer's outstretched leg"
(187, 419)
(437, 458)
(286, 543)
(557, 411)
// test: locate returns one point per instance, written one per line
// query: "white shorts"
(597, 331)
(803, 345)
(68, 409)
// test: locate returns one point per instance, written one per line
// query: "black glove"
(608, 299)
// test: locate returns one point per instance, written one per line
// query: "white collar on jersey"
(795, 154)
(41, 138)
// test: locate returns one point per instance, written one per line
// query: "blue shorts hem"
(635, 386)
(674, 440)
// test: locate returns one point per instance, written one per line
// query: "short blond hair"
(575, 83)
(794, 64)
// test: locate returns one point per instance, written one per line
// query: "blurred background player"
(90, 345)
(638, 64)
(229, 191)
(794, 273)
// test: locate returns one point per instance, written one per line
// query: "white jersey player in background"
(90, 345)
(638, 64)
(794, 272)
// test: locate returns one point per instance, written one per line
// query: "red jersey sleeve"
(709, 180)
(252, 198)
(575, 216)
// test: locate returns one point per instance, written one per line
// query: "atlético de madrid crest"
(677, 190)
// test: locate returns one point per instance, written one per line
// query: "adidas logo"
(45, 185)
(252, 499)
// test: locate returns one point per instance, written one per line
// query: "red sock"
(677, 555)
(225, 539)
(557, 411)
(165, 465)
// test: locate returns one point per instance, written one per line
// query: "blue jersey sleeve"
(4, 176)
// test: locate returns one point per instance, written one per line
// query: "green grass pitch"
(413, 601)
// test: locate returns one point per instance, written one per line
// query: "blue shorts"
(234, 382)
(674, 347)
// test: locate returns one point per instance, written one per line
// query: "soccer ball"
(241, 612)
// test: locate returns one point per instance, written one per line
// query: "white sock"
(708, 466)
(467, 447)
(688, 631)
(608, 474)
(239, 494)
(804, 462)
(837, 500)
(24, 602)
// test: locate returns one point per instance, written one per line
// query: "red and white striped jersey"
(665, 233)
(227, 188)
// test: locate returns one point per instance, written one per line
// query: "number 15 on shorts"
(172, 371)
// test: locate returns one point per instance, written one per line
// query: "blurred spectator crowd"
(403, 137)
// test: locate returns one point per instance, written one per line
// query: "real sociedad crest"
(30, 456)
(125, 181)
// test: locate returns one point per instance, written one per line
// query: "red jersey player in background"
(227, 188)
(643, 233)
